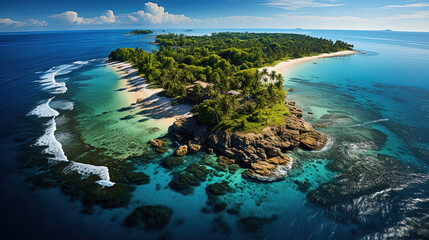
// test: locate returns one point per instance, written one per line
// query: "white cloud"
(36, 22)
(416, 15)
(155, 14)
(13, 23)
(10, 22)
(297, 4)
(71, 17)
(411, 5)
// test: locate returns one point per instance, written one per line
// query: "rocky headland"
(261, 153)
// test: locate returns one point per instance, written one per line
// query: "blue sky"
(24, 15)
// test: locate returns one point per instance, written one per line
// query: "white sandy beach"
(285, 65)
(134, 87)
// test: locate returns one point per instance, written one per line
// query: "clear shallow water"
(374, 104)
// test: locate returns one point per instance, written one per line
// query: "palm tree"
(264, 72)
(273, 76)
(279, 81)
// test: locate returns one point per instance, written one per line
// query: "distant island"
(239, 108)
(137, 32)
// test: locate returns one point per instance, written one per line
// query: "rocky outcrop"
(260, 152)
(156, 142)
(271, 169)
(224, 161)
(313, 140)
(182, 150)
(159, 145)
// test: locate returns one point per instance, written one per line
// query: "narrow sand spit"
(283, 66)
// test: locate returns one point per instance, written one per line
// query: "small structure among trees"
(197, 92)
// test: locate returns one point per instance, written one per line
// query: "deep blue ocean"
(372, 182)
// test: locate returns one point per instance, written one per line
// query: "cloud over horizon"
(156, 14)
(71, 17)
(312, 14)
(31, 22)
(298, 4)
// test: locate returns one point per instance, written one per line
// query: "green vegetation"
(141, 32)
(227, 61)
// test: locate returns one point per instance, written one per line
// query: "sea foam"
(50, 84)
(371, 122)
(86, 170)
(62, 105)
(44, 110)
(53, 147)
(48, 140)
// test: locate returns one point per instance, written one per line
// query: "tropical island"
(239, 108)
(138, 32)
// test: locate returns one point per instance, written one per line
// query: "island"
(239, 102)
(138, 32)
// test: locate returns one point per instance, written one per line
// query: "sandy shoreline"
(285, 65)
(153, 106)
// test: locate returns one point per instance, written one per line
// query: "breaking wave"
(48, 140)
(370, 122)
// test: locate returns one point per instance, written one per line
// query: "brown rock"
(291, 90)
(313, 140)
(299, 124)
(161, 149)
(291, 103)
(294, 110)
(271, 169)
(224, 161)
(193, 147)
(182, 150)
(139, 100)
(156, 142)
(324, 124)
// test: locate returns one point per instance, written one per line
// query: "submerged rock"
(291, 90)
(271, 169)
(152, 216)
(303, 186)
(199, 171)
(172, 162)
(161, 149)
(224, 161)
(138, 178)
(220, 188)
(253, 223)
(181, 151)
(183, 182)
(118, 195)
(156, 143)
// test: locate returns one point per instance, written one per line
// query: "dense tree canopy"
(230, 61)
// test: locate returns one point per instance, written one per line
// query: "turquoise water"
(371, 182)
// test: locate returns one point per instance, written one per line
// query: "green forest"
(141, 31)
(240, 97)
